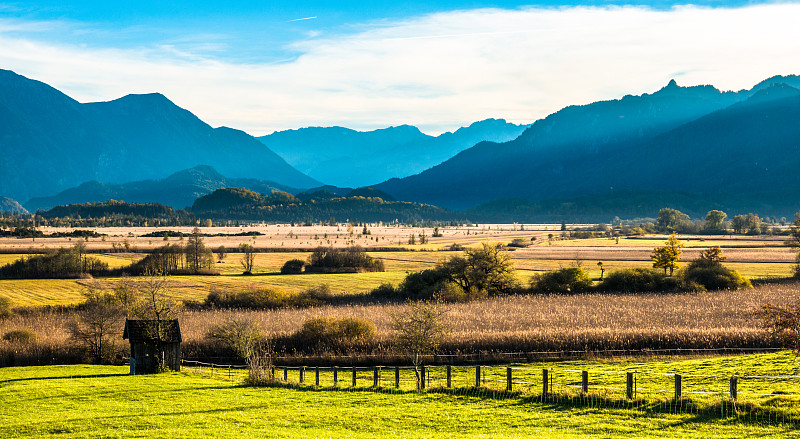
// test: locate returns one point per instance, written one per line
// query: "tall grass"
(503, 324)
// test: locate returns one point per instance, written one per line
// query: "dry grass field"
(754, 257)
(517, 323)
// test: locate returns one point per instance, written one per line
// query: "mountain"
(348, 158)
(50, 142)
(7, 205)
(179, 190)
(695, 140)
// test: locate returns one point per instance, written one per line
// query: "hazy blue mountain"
(50, 142)
(689, 139)
(349, 158)
(179, 190)
(7, 205)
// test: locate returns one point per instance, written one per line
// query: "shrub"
(240, 335)
(253, 298)
(712, 275)
(293, 266)
(316, 296)
(422, 284)
(21, 336)
(564, 280)
(335, 332)
(384, 291)
(5, 308)
(636, 280)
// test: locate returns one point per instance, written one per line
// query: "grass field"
(752, 257)
(102, 401)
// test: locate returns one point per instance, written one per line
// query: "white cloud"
(439, 71)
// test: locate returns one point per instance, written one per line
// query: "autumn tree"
(487, 268)
(667, 257)
(712, 254)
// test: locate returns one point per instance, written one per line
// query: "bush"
(421, 284)
(293, 266)
(564, 280)
(21, 336)
(267, 298)
(253, 298)
(316, 296)
(384, 291)
(5, 308)
(712, 275)
(638, 280)
(333, 332)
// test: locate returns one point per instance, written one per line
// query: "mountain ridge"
(47, 134)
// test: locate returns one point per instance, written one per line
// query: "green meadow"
(104, 402)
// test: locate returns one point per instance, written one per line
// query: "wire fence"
(750, 398)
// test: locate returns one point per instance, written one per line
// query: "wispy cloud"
(301, 19)
(437, 71)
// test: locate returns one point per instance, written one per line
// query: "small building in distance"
(151, 341)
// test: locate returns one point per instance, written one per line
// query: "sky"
(262, 66)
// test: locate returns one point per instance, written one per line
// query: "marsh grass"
(585, 322)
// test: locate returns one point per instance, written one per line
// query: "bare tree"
(420, 331)
(246, 338)
(248, 257)
(156, 306)
(97, 324)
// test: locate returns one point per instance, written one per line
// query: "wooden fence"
(755, 397)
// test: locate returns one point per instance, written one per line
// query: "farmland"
(754, 257)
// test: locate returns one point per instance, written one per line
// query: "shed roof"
(147, 331)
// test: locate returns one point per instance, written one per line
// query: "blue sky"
(264, 66)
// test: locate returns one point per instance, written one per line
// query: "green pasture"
(103, 401)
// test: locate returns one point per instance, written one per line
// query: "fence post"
(508, 379)
(376, 377)
(629, 385)
(285, 374)
(449, 380)
(302, 373)
(734, 388)
(677, 386)
(316, 376)
(335, 376)
(477, 376)
(422, 377)
(585, 381)
(397, 377)
(354, 376)
(545, 382)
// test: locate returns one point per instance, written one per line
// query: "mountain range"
(737, 146)
(345, 157)
(50, 142)
(691, 148)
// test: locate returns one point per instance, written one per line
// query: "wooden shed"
(153, 342)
